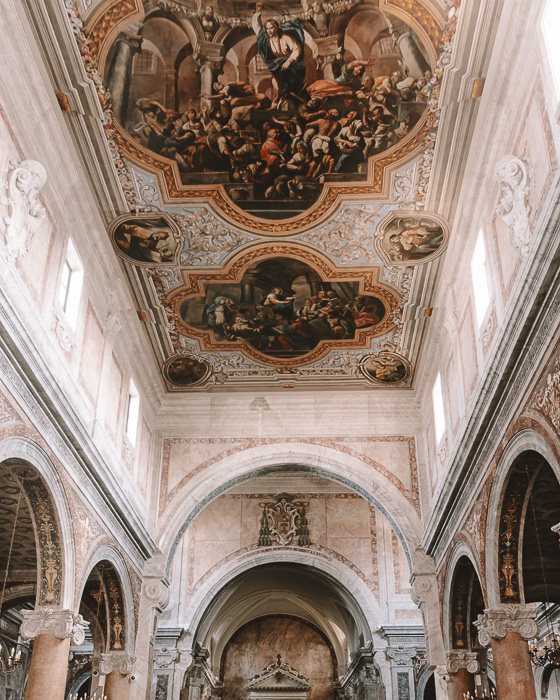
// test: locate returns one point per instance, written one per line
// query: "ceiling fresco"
(275, 160)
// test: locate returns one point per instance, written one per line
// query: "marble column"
(210, 59)
(52, 630)
(116, 666)
(461, 667)
(508, 629)
(120, 73)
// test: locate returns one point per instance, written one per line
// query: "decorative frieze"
(60, 623)
(496, 623)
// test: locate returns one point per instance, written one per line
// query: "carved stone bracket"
(22, 186)
(513, 208)
(116, 661)
(457, 660)
(60, 623)
(156, 591)
(496, 623)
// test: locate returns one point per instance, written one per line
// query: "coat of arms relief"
(284, 522)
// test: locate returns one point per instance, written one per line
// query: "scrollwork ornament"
(157, 592)
(24, 182)
(496, 623)
(457, 660)
(513, 208)
(116, 661)
(60, 623)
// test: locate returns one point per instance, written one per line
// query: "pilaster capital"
(156, 590)
(116, 661)
(457, 660)
(60, 623)
(401, 656)
(423, 587)
(496, 623)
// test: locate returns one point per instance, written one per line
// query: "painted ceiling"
(275, 160)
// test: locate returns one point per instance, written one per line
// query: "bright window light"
(439, 413)
(132, 413)
(479, 273)
(70, 285)
(550, 24)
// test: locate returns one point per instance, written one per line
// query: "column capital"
(133, 40)
(457, 660)
(116, 661)
(497, 622)
(60, 623)
(401, 656)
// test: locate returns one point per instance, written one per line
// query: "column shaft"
(49, 668)
(460, 683)
(512, 665)
(117, 686)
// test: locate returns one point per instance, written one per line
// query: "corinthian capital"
(116, 661)
(456, 660)
(496, 623)
(60, 623)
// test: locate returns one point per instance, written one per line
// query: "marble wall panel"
(467, 347)
(92, 356)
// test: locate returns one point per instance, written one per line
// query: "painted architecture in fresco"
(269, 102)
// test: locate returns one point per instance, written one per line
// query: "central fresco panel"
(312, 123)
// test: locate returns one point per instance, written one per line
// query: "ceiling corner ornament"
(406, 238)
(513, 208)
(284, 522)
(22, 186)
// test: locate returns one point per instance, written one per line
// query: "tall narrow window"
(439, 413)
(70, 285)
(550, 24)
(132, 413)
(479, 273)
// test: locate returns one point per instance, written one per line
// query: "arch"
(423, 682)
(367, 607)
(47, 497)
(524, 441)
(117, 580)
(345, 469)
(460, 551)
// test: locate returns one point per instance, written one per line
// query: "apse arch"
(525, 441)
(245, 594)
(107, 553)
(337, 572)
(347, 470)
(23, 452)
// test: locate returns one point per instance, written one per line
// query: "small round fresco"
(185, 371)
(147, 241)
(386, 368)
(406, 238)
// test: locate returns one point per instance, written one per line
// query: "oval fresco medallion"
(408, 238)
(186, 371)
(385, 368)
(148, 240)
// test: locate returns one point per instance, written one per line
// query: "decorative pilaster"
(508, 629)
(52, 631)
(153, 600)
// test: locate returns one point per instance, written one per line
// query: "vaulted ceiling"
(276, 231)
